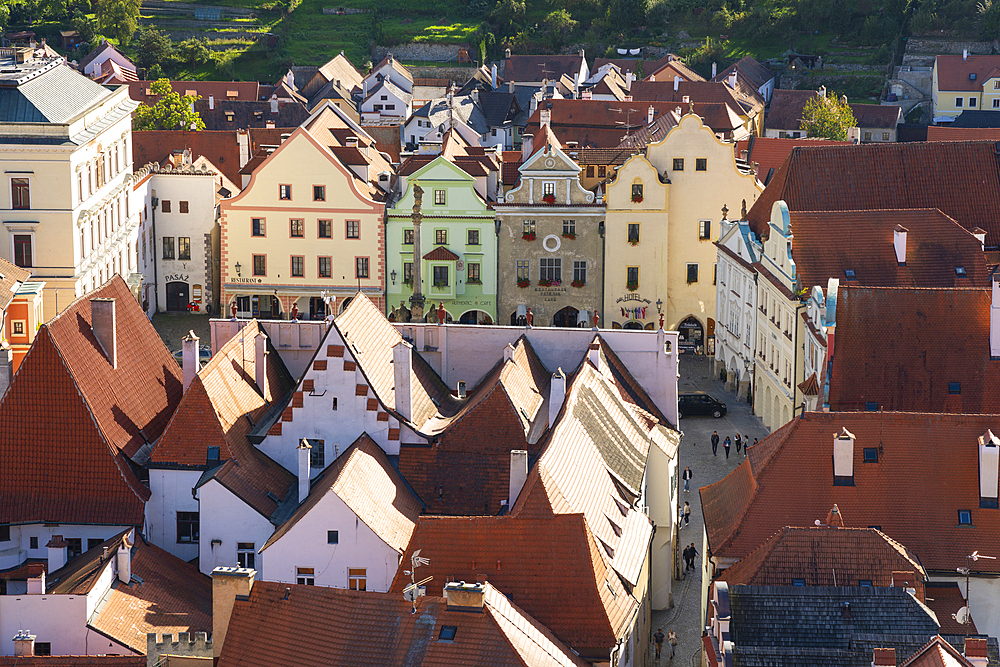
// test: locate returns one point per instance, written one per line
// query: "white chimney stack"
(24, 644)
(518, 474)
(715, 70)
(102, 321)
(677, 83)
(650, 113)
(124, 558)
(965, 54)
(191, 358)
(260, 363)
(995, 321)
(305, 456)
(274, 104)
(508, 352)
(57, 553)
(36, 585)
(629, 78)
(544, 117)
(493, 75)
(402, 370)
(843, 454)
(557, 394)
(594, 355)
(526, 144)
(732, 79)
(989, 464)
(211, 102)
(899, 243)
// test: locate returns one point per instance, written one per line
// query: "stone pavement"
(172, 327)
(696, 451)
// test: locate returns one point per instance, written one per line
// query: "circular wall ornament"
(549, 162)
(553, 239)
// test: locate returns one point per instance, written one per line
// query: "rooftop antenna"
(964, 615)
(412, 590)
(627, 124)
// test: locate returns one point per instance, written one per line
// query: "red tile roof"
(911, 370)
(589, 122)
(879, 116)
(501, 635)
(938, 653)
(441, 254)
(770, 152)
(945, 133)
(631, 64)
(67, 393)
(785, 112)
(10, 277)
(945, 598)
(792, 469)
(698, 91)
(962, 179)
(220, 90)
(755, 72)
(522, 69)
(219, 147)
(672, 67)
(953, 72)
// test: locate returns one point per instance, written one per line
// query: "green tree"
(4, 17)
(152, 47)
(171, 112)
(626, 15)
(989, 19)
(827, 117)
(559, 25)
(118, 18)
(194, 52)
(507, 16)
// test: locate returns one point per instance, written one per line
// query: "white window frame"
(17, 230)
(10, 192)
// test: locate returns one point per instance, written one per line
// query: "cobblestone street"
(696, 452)
(172, 327)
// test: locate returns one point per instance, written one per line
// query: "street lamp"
(659, 305)
(392, 275)
(238, 267)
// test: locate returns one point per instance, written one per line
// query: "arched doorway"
(178, 297)
(519, 319)
(566, 317)
(475, 317)
(317, 308)
(633, 326)
(692, 334)
(343, 304)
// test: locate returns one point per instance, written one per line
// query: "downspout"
(753, 351)
(154, 202)
(496, 260)
(795, 360)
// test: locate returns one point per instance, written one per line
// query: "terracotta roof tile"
(945, 598)
(747, 66)
(785, 112)
(10, 277)
(879, 116)
(220, 147)
(962, 179)
(770, 152)
(953, 72)
(631, 64)
(937, 653)
(589, 123)
(521, 69)
(441, 254)
(945, 133)
(912, 371)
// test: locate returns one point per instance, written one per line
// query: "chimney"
(402, 370)
(965, 54)
(843, 454)
(461, 389)
(884, 657)
(834, 519)
(124, 558)
(822, 91)
(989, 464)
(57, 553)
(464, 597)
(102, 320)
(899, 243)
(557, 394)
(510, 86)
(274, 104)
(493, 75)
(995, 320)
(545, 117)
(351, 142)
(594, 355)
(228, 585)
(260, 362)
(518, 474)
(506, 54)
(24, 644)
(526, 141)
(715, 70)
(650, 113)
(305, 453)
(211, 102)
(976, 652)
(36, 585)
(732, 79)
(629, 78)
(508, 352)
(980, 234)
(677, 83)
(192, 360)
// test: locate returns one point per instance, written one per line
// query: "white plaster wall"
(19, 548)
(305, 545)
(227, 518)
(58, 619)
(661, 499)
(103, 583)
(984, 601)
(171, 493)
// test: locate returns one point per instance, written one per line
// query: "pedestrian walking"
(686, 476)
(672, 638)
(658, 640)
(727, 443)
(692, 554)
(746, 444)
(739, 442)
(715, 443)
(687, 512)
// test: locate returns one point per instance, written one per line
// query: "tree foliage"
(152, 47)
(118, 18)
(171, 112)
(194, 52)
(828, 117)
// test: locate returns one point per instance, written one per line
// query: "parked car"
(204, 352)
(699, 403)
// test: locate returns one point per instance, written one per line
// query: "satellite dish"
(961, 616)
(410, 594)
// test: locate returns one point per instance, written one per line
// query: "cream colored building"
(307, 231)
(663, 214)
(66, 152)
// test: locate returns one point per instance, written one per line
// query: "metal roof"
(45, 91)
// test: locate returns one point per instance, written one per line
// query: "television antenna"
(412, 590)
(964, 615)
(627, 123)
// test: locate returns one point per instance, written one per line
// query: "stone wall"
(460, 75)
(946, 46)
(421, 51)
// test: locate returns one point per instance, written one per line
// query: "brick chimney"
(995, 319)
(989, 465)
(975, 651)
(192, 360)
(899, 243)
(102, 321)
(305, 453)
(465, 597)
(402, 370)
(518, 474)
(843, 454)
(260, 363)
(557, 394)
(57, 547)
(228, 585)
(884, 657)
(834, 518)
(24, 644)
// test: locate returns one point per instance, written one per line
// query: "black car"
(699, 403)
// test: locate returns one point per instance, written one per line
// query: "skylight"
(850, 274)
(447, 633)
(960, 271)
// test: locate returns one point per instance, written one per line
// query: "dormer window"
(871, 454)
(954, 387)
(972, 76)
(798, 582)
(965, 517)
(960, 272)
(849, 274)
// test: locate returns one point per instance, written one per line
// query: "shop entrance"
(567, 317)
(692, 334)
(177, 297)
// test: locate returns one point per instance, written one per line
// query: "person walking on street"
(672, 638)
(658, 640)
(692, 554)
(715, 443)
(739, 442)
(687, 478)
(746, 444)
(687, 512)
(726, 444)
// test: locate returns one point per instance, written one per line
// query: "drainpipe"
(496, 291)
(795, 360)
(153, 203)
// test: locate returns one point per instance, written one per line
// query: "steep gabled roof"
(11, 277)
(785, 112)
(392, 88)
(954, 72)
(747, 66)
(499, 107)
(537, 68)
(770, 152)
(878, 116)
(395, 64)
(667, 68)
(937, 653)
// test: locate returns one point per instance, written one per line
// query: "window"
(325, 267)
(334, 406)
(704, 229)
(602, 171)
(441, 236)
(473, 237)
(798, 582)
(319, 193)
(865, 583)
(871, 406)
(960, 271)
(360, 267)
(580, 272)
(357, 579)
(325, 229)
(168, 247)
(678, 164)
(165, 206)
(632, 277)
(353, 229)
(260, 265)
(32, 541)
(285, 192)
(996, 103)
(473, 275)
(439, 197)
(183, 247)
(871, 455)
(972, 101)
(246, 555)
(528, 228)
(633, 232)
(5, 533)
(408, 273)
(187, 527)
(19, 196)
(43, 648)
(590, 171)
(523, 270)
(440, 276)
(183, 206)
(317, 456)
(569, 228)
(407, 237)
(954, 387)
(885, 136)
(447, 633)
(548, 189)
(74, 547)
(298, 266)
(637, 192)
(868, 136)
(305, 575)
(692, 273)
(849, 274)
(257, 227)
(958, 102)
(22, 250)
(333, 537)
(296, 228)
(701, 164)
(550, 269)
(965, 517)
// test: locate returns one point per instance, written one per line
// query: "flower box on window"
(549, 283)
(632, 286)
(523, 283)
(578, 283)
(569, 235)
(549, 198)
(473, 281)
(633, 242)
(636, 198)
(528, 236)
(441, 284)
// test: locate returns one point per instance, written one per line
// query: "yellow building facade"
(663, 215)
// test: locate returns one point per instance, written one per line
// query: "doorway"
(567, 317)
(177, 297)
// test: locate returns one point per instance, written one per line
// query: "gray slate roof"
(499, 108)
(56, 95)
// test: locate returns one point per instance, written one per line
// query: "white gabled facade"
(230, 524)
(170, 493)
(736, 304)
